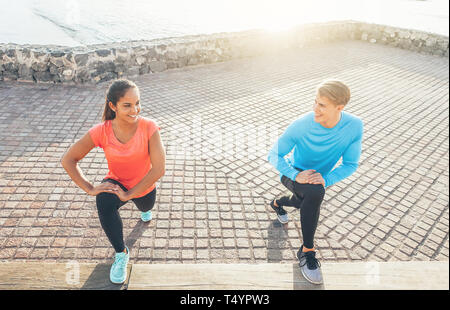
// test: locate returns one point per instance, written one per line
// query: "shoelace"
(311, 261)
(120, 262)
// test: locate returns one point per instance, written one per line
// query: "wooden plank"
(218, 277)
(353, 276)
(62, 276)
(412, 275)
(349, 276)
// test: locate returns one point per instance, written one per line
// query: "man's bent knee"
(317, 191)
(311, 191)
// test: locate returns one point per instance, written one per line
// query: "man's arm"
(281, 148)
(350, 160)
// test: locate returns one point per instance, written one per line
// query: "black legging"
(307, 198)
(108, 205)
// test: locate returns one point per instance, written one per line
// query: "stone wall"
(98, 63)
(414, 40)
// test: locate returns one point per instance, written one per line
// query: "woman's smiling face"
(128, 107)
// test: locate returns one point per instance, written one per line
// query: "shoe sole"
(308, 279)
(279, 220)
(118, 282)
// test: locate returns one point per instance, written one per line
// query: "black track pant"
(307, 198)
(108, 205)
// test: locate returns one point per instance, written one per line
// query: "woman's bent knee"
(107, 202)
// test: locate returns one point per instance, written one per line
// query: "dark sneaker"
(281, 213)
(310, 266)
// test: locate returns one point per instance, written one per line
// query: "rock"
(122, 59)
(430, 42)
(373, 41)
(26, 53)
(11, 53)
(144, 69)
(120, 68)
(81, 59)
(6, 75)
(57, 54)
(39, 66)
(157, 66)
(11, 67)
(25, 72)
(151, 54)
(182, 61)
(53, 69)
(106, 77)
(57, 61)
(103, 67)
(103, 52)
(133, 71)
(172, 64)
(140, 60)
(171, 55)
(81, 75)
(67, 72)
(42, 76)
(162, 47)
(192, 61)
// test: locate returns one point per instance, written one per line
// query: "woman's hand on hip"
(123, 195)
(103, 188)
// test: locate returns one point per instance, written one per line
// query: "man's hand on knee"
(303, 176)
(310, 177)
(316, 178)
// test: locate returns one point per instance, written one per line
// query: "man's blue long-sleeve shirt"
(319, 148)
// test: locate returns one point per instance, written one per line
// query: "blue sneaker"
(146, 216)
(118, 273)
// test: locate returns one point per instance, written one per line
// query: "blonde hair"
(334, 90)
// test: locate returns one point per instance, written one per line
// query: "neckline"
(131, 139)
(335, 126)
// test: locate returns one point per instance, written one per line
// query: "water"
(82, 22)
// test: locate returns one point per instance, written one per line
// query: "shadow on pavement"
(99, 279)
(276, 235)
(135, 234)
(300, 283)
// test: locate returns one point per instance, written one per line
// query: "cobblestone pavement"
(218, 122)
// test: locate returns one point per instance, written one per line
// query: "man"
(318, 140)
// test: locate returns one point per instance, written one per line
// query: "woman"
(136, 160)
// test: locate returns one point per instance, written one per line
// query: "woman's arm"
(70, 163)
(158, 160)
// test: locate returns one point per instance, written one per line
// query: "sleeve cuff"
(294, 174)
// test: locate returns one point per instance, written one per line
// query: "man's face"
(325, 110)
